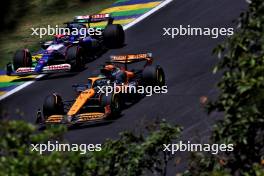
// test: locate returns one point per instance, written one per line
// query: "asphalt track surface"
(187, 61)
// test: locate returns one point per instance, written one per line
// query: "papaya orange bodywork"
(80, 101)
(130, 74)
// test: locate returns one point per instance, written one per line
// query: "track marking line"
(18, 88)
(142, 17)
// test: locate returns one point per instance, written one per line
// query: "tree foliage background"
(129, 155)
(241, 100)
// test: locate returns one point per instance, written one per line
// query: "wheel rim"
(159, 77)
(116, 104)
(80, 61)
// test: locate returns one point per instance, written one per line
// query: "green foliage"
(11, 12)
(129, 155)
(14, 10)
(132, 155)
(16, 157)
(47, 7)
(241, 99)
(18, 17)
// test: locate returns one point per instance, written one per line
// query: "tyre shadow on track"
(58, 76)
(47, 76)
(22, 79)
(105, 122)
(95, 124)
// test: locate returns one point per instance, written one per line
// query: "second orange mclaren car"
(94, 101)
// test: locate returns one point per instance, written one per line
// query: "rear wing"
(94, 18)
(131, 58)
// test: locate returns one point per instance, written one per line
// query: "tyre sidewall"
(53, 105)
(22, 58)
(153, 76)
(114, 36)
(74, 57)
(112, 100)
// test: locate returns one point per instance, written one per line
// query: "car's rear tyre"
(22, 58)
(114, 101)
(153, 76)
(53, 105)
(75, 58)
(114, 36)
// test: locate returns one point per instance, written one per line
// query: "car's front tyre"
(114, 101)
(53, 105)
(22, 58)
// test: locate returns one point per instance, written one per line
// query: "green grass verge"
(41, 14)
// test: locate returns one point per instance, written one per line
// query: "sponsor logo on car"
(25, 69)
(57, 67)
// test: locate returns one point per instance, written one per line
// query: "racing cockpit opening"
(120, 77)
(101, 82)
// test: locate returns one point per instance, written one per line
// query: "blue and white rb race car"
(67, 52)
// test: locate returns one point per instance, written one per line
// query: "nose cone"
(41, 63)
(80, 101)
(39, 66)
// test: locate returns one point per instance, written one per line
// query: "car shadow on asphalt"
(109, 121)
(104, 122)
(96, 123)
(58, 76)
(22, 79)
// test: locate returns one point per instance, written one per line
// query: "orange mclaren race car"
(105, 95)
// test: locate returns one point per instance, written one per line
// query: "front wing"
(23, 71)
(78, 119)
